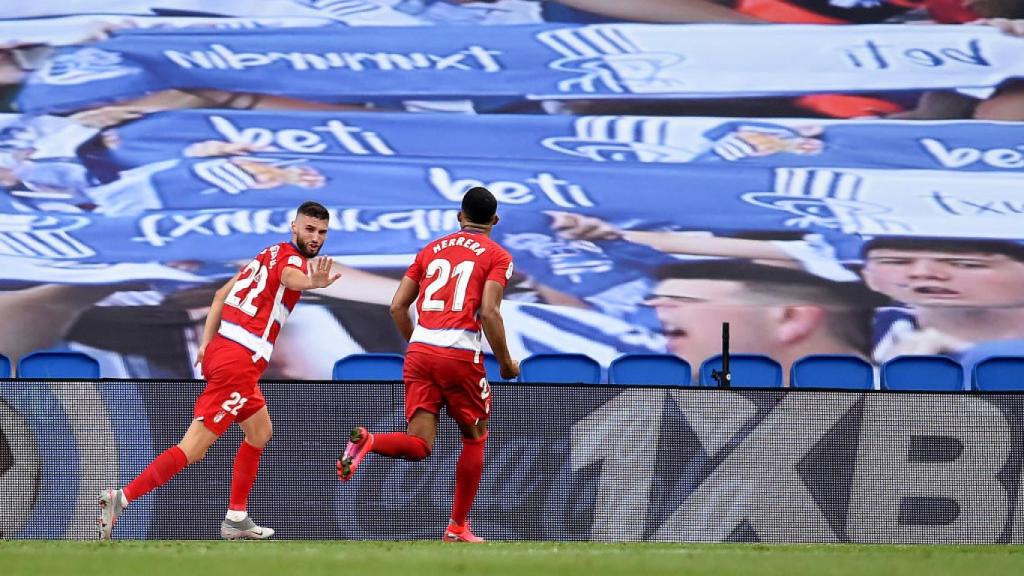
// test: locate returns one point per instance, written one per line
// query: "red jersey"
(258, 304)
(451, 272)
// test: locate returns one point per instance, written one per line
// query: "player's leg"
(258, 429)
(413, 445)
(468, 469)
(214, 411)
(469, 402)
(422, 403)
(192, 447)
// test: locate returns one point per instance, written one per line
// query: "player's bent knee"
(258, 440)
(194, 455)
(474, 431)
(421, 452)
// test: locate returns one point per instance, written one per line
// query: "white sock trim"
(236, 515)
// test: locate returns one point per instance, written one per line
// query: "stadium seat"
(999, 374)
(369, 366)
(493, 369)
(5, 367)
(925, 373)
(835, 371)
(748, 371)
(560, 369)
(658, 369)
(1008, 348)
(65, 364)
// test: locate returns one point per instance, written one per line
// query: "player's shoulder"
(286, 253)
(499, 251)
(486, 248)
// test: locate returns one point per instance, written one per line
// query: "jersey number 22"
(254, 273)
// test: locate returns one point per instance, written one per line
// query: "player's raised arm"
(213, 317)
(406, 294)
(360, 286)
(494, 328)
(320, 275)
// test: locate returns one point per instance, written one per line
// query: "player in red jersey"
(244, 320)
(459, 280)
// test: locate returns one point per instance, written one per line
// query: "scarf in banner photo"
(531, 61)
(940, 145)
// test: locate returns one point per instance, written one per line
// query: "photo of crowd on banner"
(148, 148)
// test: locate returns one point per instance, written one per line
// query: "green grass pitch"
(345, 558)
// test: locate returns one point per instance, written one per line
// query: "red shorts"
(232, 386)
(435, 381)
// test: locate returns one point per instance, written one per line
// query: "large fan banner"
(529, 61)
(942, 145)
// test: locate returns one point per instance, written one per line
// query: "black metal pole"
(724, 377)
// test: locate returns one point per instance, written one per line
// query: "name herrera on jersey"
(467, 243)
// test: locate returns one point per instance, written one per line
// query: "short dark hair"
(953, 245)
(314, 210)
(479, 205)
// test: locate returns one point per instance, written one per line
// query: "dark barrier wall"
(563, 462)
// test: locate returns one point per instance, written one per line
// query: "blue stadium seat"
(369, 366)
(58, 365)
(492, 369)
(5, 366)
(1008, 348)
(925, 373)
(999, 374)
(560, 368)
(748, 371)
(836, 371)
(659, 369)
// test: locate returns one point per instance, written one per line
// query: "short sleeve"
(502, 270)
(415, 271)
(296, 261)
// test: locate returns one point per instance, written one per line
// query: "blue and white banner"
(117, 223)
(84, 214)
(943, 145)
(394, 206)
(532, 61)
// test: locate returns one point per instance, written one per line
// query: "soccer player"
(244, 320)
(459, 280)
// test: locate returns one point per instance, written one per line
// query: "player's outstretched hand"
(510, 371)
(320, 272)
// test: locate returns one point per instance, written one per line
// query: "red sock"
(159, 471)
(400, 445)
(468, 471)
(247, 463)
